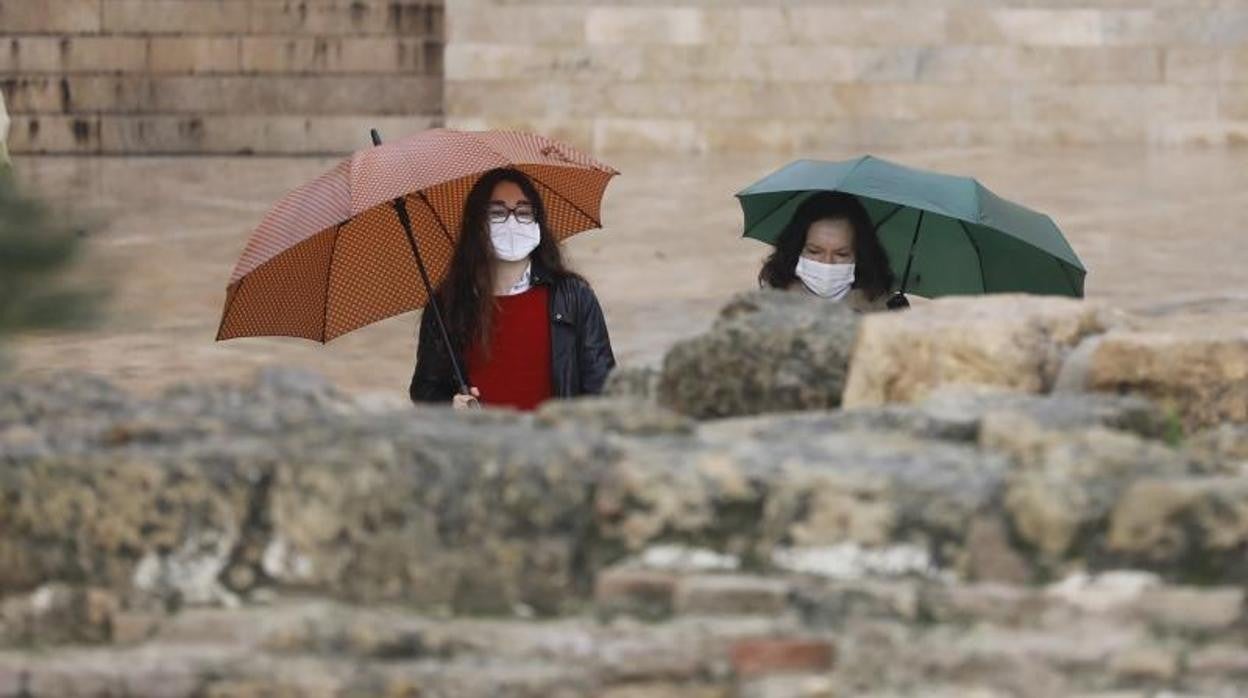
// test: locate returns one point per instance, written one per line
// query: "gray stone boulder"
(768, 351)
(1195, 529)
(1221, 450)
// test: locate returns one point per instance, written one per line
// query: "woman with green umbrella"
(829, 249)
(942, 234)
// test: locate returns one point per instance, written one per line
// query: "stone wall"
(696, 75)
(220, 76)
(973, 534)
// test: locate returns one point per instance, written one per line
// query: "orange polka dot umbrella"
(334, 255)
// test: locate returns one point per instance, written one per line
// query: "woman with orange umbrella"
(475, 215)
(526, 327)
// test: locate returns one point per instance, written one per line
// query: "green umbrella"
(944, 235)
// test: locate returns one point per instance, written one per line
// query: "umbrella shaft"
(914, 241)
(400, 207)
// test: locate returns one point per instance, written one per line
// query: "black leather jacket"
(580, 349)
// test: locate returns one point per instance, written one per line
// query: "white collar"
(524, 283)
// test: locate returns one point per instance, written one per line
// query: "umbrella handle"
(400, 207)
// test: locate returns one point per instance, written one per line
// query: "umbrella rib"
(885, 219)
(329, 272)
(436, 216)
(914, 242)
(230, 304)
(777, 207)
(979, 257)
(596, 222)
(1066, 275)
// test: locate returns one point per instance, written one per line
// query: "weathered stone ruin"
(993, 497)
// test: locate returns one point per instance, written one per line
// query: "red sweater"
(516, 370)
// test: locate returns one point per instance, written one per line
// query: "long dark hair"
(871, 271)
(467, 293)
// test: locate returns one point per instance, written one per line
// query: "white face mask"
(831, 281)
(513, 241)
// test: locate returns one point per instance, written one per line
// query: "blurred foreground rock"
(282, 538)
(768, 351)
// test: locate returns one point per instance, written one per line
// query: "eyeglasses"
(523, 212)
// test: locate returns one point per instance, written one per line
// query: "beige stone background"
(707, 75)
(1123, 119)
(127, 77)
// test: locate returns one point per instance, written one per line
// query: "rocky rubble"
(768, 351)
(282, 538)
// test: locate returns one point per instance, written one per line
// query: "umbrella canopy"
(945, 235)
(332, 255)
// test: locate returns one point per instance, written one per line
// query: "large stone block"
(1201, 134)
(646, 25)
(107, 93)
(469, 61)
(674, 100)
(1203, 377)
(1076, 132)
(648, 135)
(576, 132)
(1008, 341)
(1225, 25)
(32, 95)
(516, 24)
(922, 133)
(764, 26)
(828, 64)
(1233, 102)
(163, 134)
(50, 16)
(51, 133)
(1026, 26)
(174, 16)
(815, 24)
(186, 54)
(332, 18)
(1040, 64)
(917, 102)
(1197, 65)
(338, 54)
(295, 95)
(235, 134)
(1119, 103)
(508, 99)
(784, 135)
(421, 18)
(68, 94)
(40, 54)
